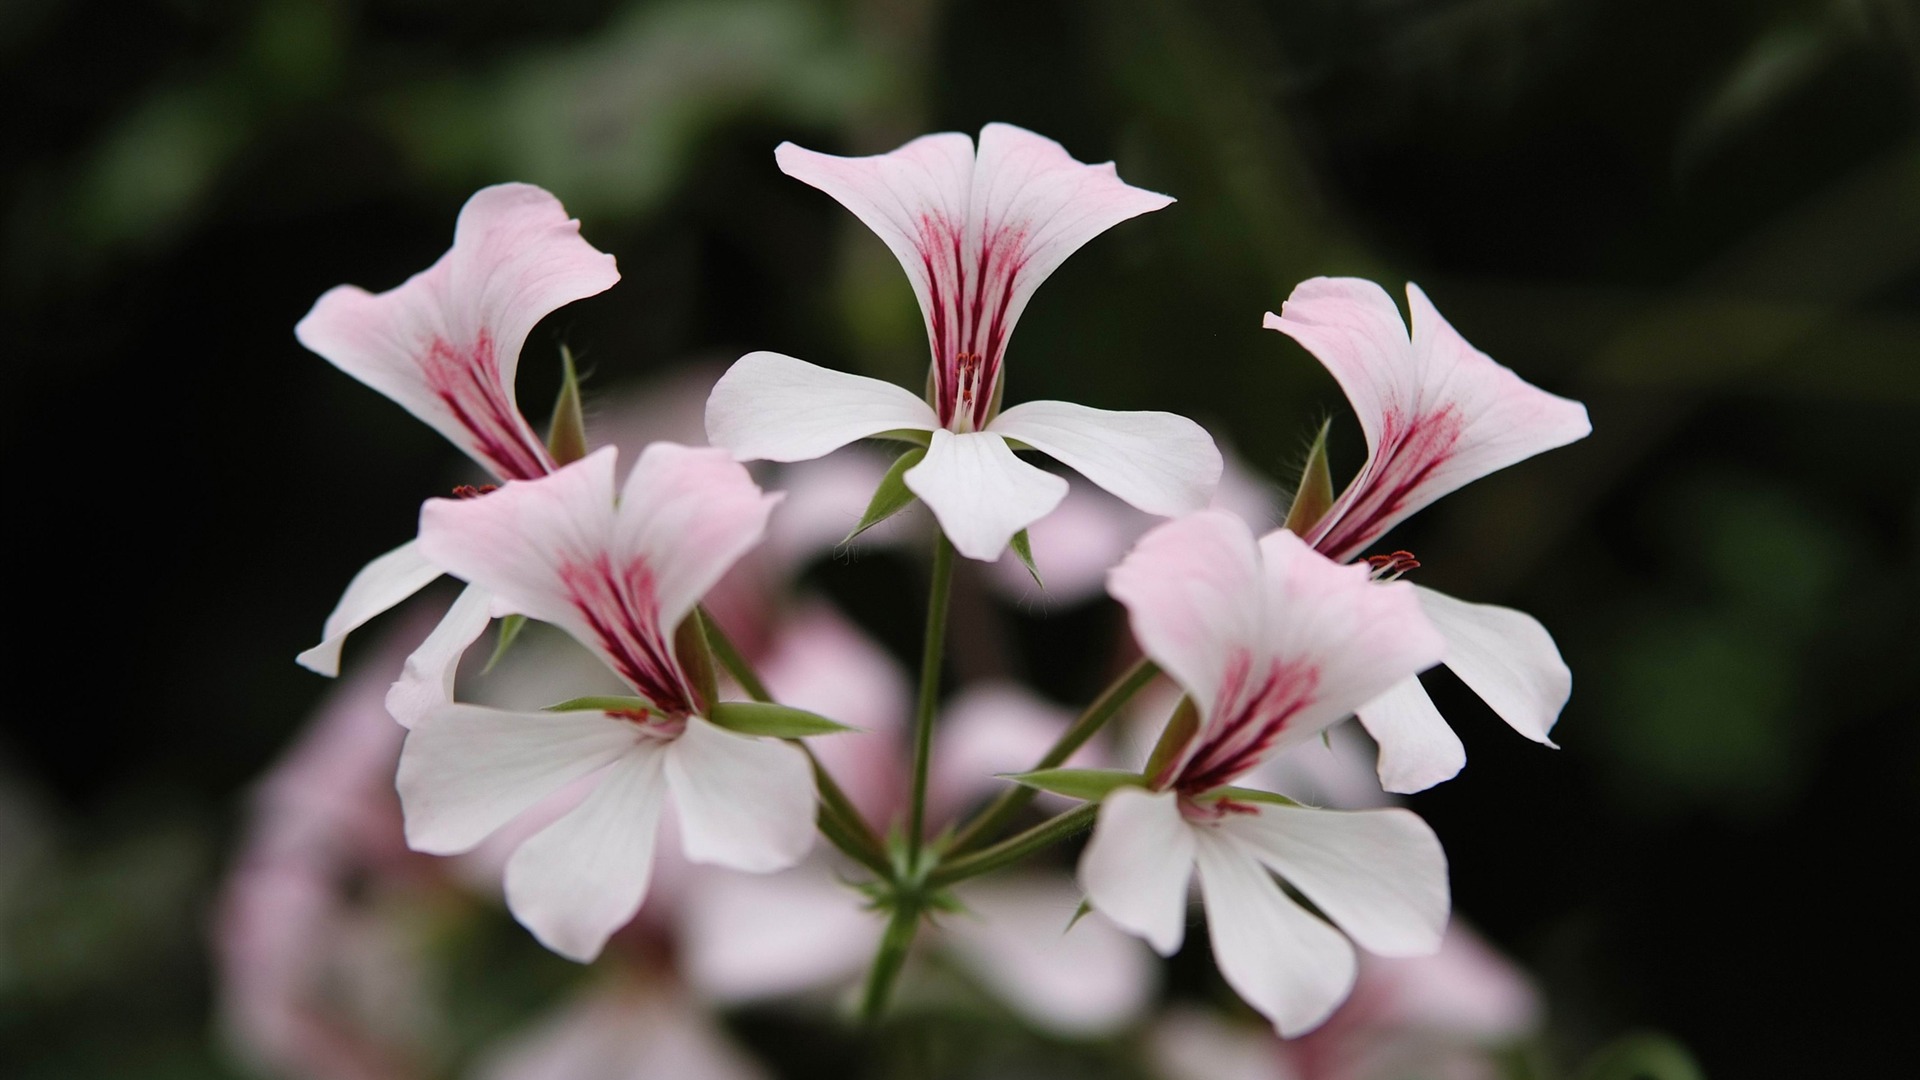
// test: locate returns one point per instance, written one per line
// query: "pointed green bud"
(1181, 728)
(772, 721)
(892, 496)
(567, 434)
(1023, 547)
(1087, 785)
(696, 659)
(510, 628)
(1314, 495)
(1085, 909)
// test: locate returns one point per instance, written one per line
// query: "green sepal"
(1314, 494)
(510, 628)
(696, 659)
(602, 704)
(772, 721)
(1181, 728)
(892, 496)
(1247, 794)
(567, 434)
(1023, 546)
(1087, 785)
(1085, 909)
(907, 435)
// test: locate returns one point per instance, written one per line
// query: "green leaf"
(773, 721)
(1181, 727)
(1087, 785)
(696, 659)
(1023, 547)
(1314, 494)
(906, 435)
(1642, 1057)
(567, 434)
(891, 496)
(510, 628)
(1247, 794)
(603, 704)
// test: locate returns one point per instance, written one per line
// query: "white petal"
(1136, 868)
(583, 877)
(1156, 461)
(1291, 967)
(1192, 589)
(427, 680)
(1506, 657)
(1417, 748)
(378, 586)
(980, 492)
(1379, 874)
(769, 407)
(465, 771)
(743, 803)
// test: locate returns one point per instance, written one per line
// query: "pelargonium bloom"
(1272, 643)
(1437, 414)
(977, 233)
(445, 345)
(619, 578)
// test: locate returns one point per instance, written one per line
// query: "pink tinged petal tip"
(1437, 413)
(976, 233)
(446, 343)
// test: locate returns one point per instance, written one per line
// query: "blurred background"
(1701, 219)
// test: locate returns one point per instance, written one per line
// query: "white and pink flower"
(1273, 643)
(1437, 414)
(620, 578)
(977, 232)
(445, 345)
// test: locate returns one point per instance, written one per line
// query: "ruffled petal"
(445, 344)
(426, 682)
(1437, 413)
(770, 407)
(465, 770)
(1137, 866)
(1506, 657)
(378, 586)
(583, 877)
(1291, 967)
(1155, 461)
(743, 803)
(687, 514)
(1379, 874)
(980, 492)
(1417, 748)
(1191, 588)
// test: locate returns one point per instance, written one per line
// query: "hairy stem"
(901, 927)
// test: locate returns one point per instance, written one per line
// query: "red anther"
(1387, 567)
(969, 372)
(468, 491)
(638, 716)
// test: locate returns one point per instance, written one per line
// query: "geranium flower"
(619, 579)
(1273, 643)
(977, 234)
(445, 345)
(1437, 414)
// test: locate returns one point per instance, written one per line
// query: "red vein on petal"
(469, 385)
(623, 611)
(1405, 460)
(1248, 718)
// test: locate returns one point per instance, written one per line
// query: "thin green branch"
(931, 655)
(731, 658)
(901, 927)
(1014, 848)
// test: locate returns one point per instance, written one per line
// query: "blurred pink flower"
(626, 1028)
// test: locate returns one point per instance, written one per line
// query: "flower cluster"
(740, 756)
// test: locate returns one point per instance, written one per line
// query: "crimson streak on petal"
(967, 317)
(1408, 455)
(470, 386)
(1248, 718)
(622, 608)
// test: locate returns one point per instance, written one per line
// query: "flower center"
(1205, 811)
(651, 724)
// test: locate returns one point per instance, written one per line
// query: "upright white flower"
(619, 578)
(445, 345)
(1272, 643)
(977, 233)
(1437, 414)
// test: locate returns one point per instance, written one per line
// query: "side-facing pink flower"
(1273, 643)
(445, 345)
(619, 578)
(1437, 414)
(977, 233)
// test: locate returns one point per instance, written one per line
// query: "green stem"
(887, 963)
(1014, 848)
(731, 659)
(933, 648)
(1015, 799)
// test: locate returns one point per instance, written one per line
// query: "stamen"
(468, 491)
(1203, 811)
(651, 723)
(969, 376)
(1390, 567)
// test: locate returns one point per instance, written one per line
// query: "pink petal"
(1378, 874)
(769, 407)
(988, 729)
(445, 345)
(750, 938)
(1417, 748)
(689, 514)
(1136, 868)
(615, 1031)
(583, 877)
(1506, 657)
(1291, 967)
(378, 586)
(743, 803)
(1154, 461)
(426, 682)
(980, 492)
(1437, 413)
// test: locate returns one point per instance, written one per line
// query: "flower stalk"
(1014, 848)
(931, 655)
